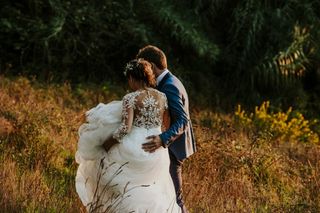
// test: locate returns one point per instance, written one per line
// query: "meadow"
(263, 160)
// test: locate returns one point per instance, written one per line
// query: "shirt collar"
(160, 77)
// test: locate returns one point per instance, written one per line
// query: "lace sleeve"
(127, 117)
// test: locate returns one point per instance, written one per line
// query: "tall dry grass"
(239, 170)
(236, 169)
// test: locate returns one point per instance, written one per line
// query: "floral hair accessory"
(131, 65)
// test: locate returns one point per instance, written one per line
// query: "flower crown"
(132, 65)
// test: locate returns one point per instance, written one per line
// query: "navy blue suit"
(179, 138)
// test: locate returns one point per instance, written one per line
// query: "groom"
(179, 138)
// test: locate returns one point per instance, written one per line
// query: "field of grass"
(243, 164)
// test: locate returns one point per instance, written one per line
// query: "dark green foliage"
(229, 51)
(67, 39)
(89, 39)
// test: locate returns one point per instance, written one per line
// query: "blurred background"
(226, 52)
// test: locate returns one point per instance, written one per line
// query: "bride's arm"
(125, 126)
(109, 143)
(165, 121)
(127, 119)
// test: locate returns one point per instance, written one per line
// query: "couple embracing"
(146, 137)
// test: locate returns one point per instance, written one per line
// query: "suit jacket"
(179, 138)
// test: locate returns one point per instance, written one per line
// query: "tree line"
(225, 51)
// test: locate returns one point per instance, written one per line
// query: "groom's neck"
(158, 72)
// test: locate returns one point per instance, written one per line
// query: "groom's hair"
(154, 55)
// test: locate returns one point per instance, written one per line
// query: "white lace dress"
(126, 179)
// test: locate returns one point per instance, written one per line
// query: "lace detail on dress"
(128, 104)
(129, 100)
(149, 115)
(141, 109)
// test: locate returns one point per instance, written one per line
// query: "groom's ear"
(152, 66)
(155, 69)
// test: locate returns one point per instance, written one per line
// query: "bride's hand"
(153, 144)
(109, 143)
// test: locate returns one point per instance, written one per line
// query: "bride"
(126, 178)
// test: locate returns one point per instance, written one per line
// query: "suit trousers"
(176, 175)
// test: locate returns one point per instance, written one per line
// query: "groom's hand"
(153, 144)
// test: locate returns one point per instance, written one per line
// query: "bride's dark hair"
(140, 70)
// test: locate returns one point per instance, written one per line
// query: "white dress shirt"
(160, 77)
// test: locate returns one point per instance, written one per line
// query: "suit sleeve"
(177, 113)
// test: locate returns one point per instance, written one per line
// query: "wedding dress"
(126, 178)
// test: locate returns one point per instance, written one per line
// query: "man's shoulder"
(172, 81)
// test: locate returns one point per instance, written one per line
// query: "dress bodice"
(142, 108)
